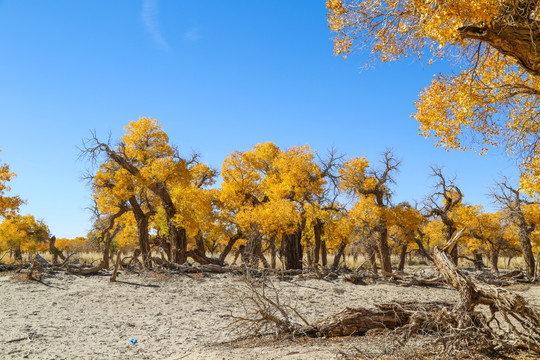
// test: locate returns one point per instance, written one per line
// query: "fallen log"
(201, 258)
(8, 267)
(358, 321)
(85, 270)
(516, 274)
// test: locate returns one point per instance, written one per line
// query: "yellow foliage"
(146, 142)
(269, 187)
(403, 222)
(340, 229)
(9, 205)
(493, 96)
(353, 175)
(24, 233)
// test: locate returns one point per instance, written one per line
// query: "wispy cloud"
(149, 15)
(193, 34)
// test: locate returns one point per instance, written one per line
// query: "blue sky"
(219, 76)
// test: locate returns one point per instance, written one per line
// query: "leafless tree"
(442, 202)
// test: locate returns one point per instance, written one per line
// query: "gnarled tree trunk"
(232, 240)
(339, 255)
(494, 260)
(384, 250)
(402, 257)
(291, 249)
(526, 248)
(142, 230)
(372, 258)
(478, 260)
(318, 227)
(324, 253)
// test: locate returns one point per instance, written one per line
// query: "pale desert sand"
(68, 316)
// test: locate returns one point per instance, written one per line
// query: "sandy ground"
(176, 317)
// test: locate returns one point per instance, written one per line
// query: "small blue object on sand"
(133, 341)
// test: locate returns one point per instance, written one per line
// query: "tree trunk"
(372, 258)
(309, 254)
(318, 228)
(537, 265)
(229, 247)
(17, 254)
(494, 260)
(520, 41)
(106, 252)
(526, 248)
(142, 233)
(253, 249)
(291, 248)
(324, 253)
(199, 242)
(142, 230)
(510, 257)
(116, 266)
(339, 255)
(384, 250)
(478, 260)
(422, 249)
(179, 239)
(402, 257)
(273, 252)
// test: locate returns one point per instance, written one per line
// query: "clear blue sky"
(219, 76)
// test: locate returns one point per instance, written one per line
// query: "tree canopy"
(493, 96)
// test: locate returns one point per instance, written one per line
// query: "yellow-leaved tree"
(268, 189)
(146, 163)
(371, 188)
(405, 221)
(9, 205)
(23, 234)
(492, 98)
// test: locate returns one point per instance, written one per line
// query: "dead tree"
(451, 196)
(512, 203)
(55, 251)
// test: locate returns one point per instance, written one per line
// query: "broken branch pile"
(512, 323)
